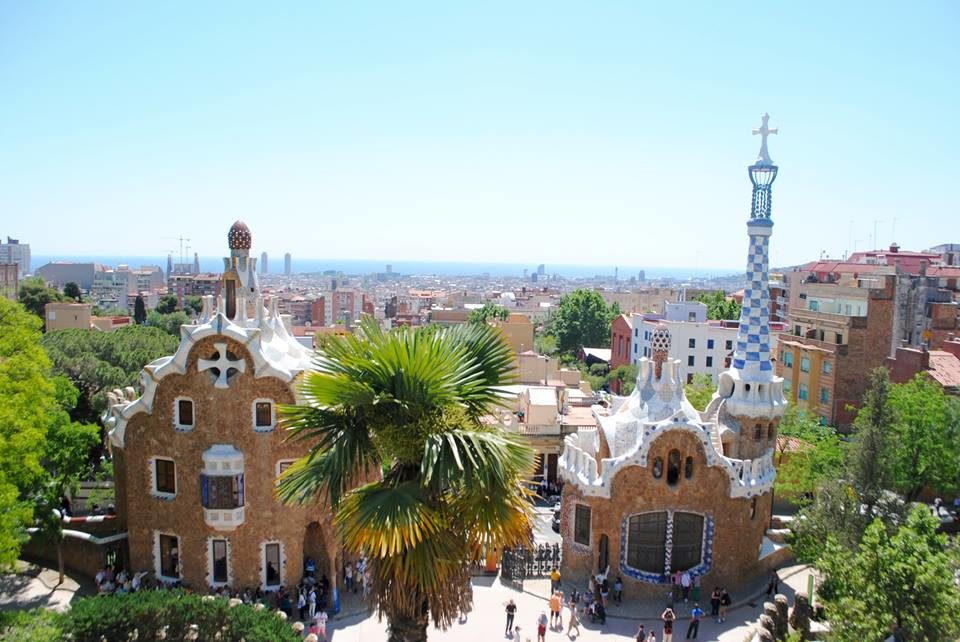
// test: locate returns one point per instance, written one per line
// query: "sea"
(417, 268)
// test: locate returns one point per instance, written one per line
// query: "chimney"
(894, 248)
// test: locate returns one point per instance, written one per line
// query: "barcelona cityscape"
(458, 322)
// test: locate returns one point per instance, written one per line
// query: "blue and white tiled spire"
(752, 355)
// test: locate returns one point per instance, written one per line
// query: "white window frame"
(280, 462)
(273, 415)
(157, 565)
(177, 425)
(210, 579)
(159, 494)
(263, 564)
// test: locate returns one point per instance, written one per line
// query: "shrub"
(36, 625)
(115, 617)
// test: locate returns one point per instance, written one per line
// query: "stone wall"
(222, 416)
(738, 537)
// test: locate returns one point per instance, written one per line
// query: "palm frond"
(483, 460)
(342, 453)
(386, 519)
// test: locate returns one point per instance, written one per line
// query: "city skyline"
(447, 134)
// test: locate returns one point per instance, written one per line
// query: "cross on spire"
(764, 131)
(221, 366)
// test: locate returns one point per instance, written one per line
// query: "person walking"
(574, 619)
(773, 587)
(641, 635)
(511, 611)
(554, 580)
(694, 627)
(556, 603)
(618, 590)
(725, 602)
(715, 604)
(542, 627)
(668, 617)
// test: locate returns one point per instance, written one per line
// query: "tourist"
(511, 612)
(725, 602)
(668, 618)
(554, 579)
(641, 635)
(556, 603)
(652, 637)
(694, 627)
(542, 627)
(312, 603)
(618, 590)
(774, 585)
(302, 605)
(574, 619)
(348, 577)
(715, 603)
(604, 591)
(321, 622)
(685, 582)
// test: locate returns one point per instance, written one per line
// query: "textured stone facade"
(733, 551)
(221, 416)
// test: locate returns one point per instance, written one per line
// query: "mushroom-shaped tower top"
(660, 343)
(239, 237)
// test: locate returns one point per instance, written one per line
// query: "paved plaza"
(487, 620)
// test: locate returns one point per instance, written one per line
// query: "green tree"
(66, 460)
(72, 291)
(545, 344)
(167, 304)
(906, 579)
(489, 311)
(806, 454)
(169, 323)
(35, 295)
(626, 375)
(413, 401)
(193, 305)
(718, 306)
(926, 433)
(139, 311)
(97, 362)
(868, 467)
(582, 319)
(28, 400)
(700, 390)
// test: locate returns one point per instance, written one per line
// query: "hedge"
(155, 615)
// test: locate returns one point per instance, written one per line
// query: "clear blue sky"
(582, 132)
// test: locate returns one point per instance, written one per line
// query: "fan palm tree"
(412, 405)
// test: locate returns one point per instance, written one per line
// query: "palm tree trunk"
(407, 629)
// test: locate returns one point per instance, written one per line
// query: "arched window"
(688, 468)
(673, 467)
(657, 468)
(757, 432)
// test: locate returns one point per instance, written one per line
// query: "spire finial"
(660, 344)
(764, 131)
